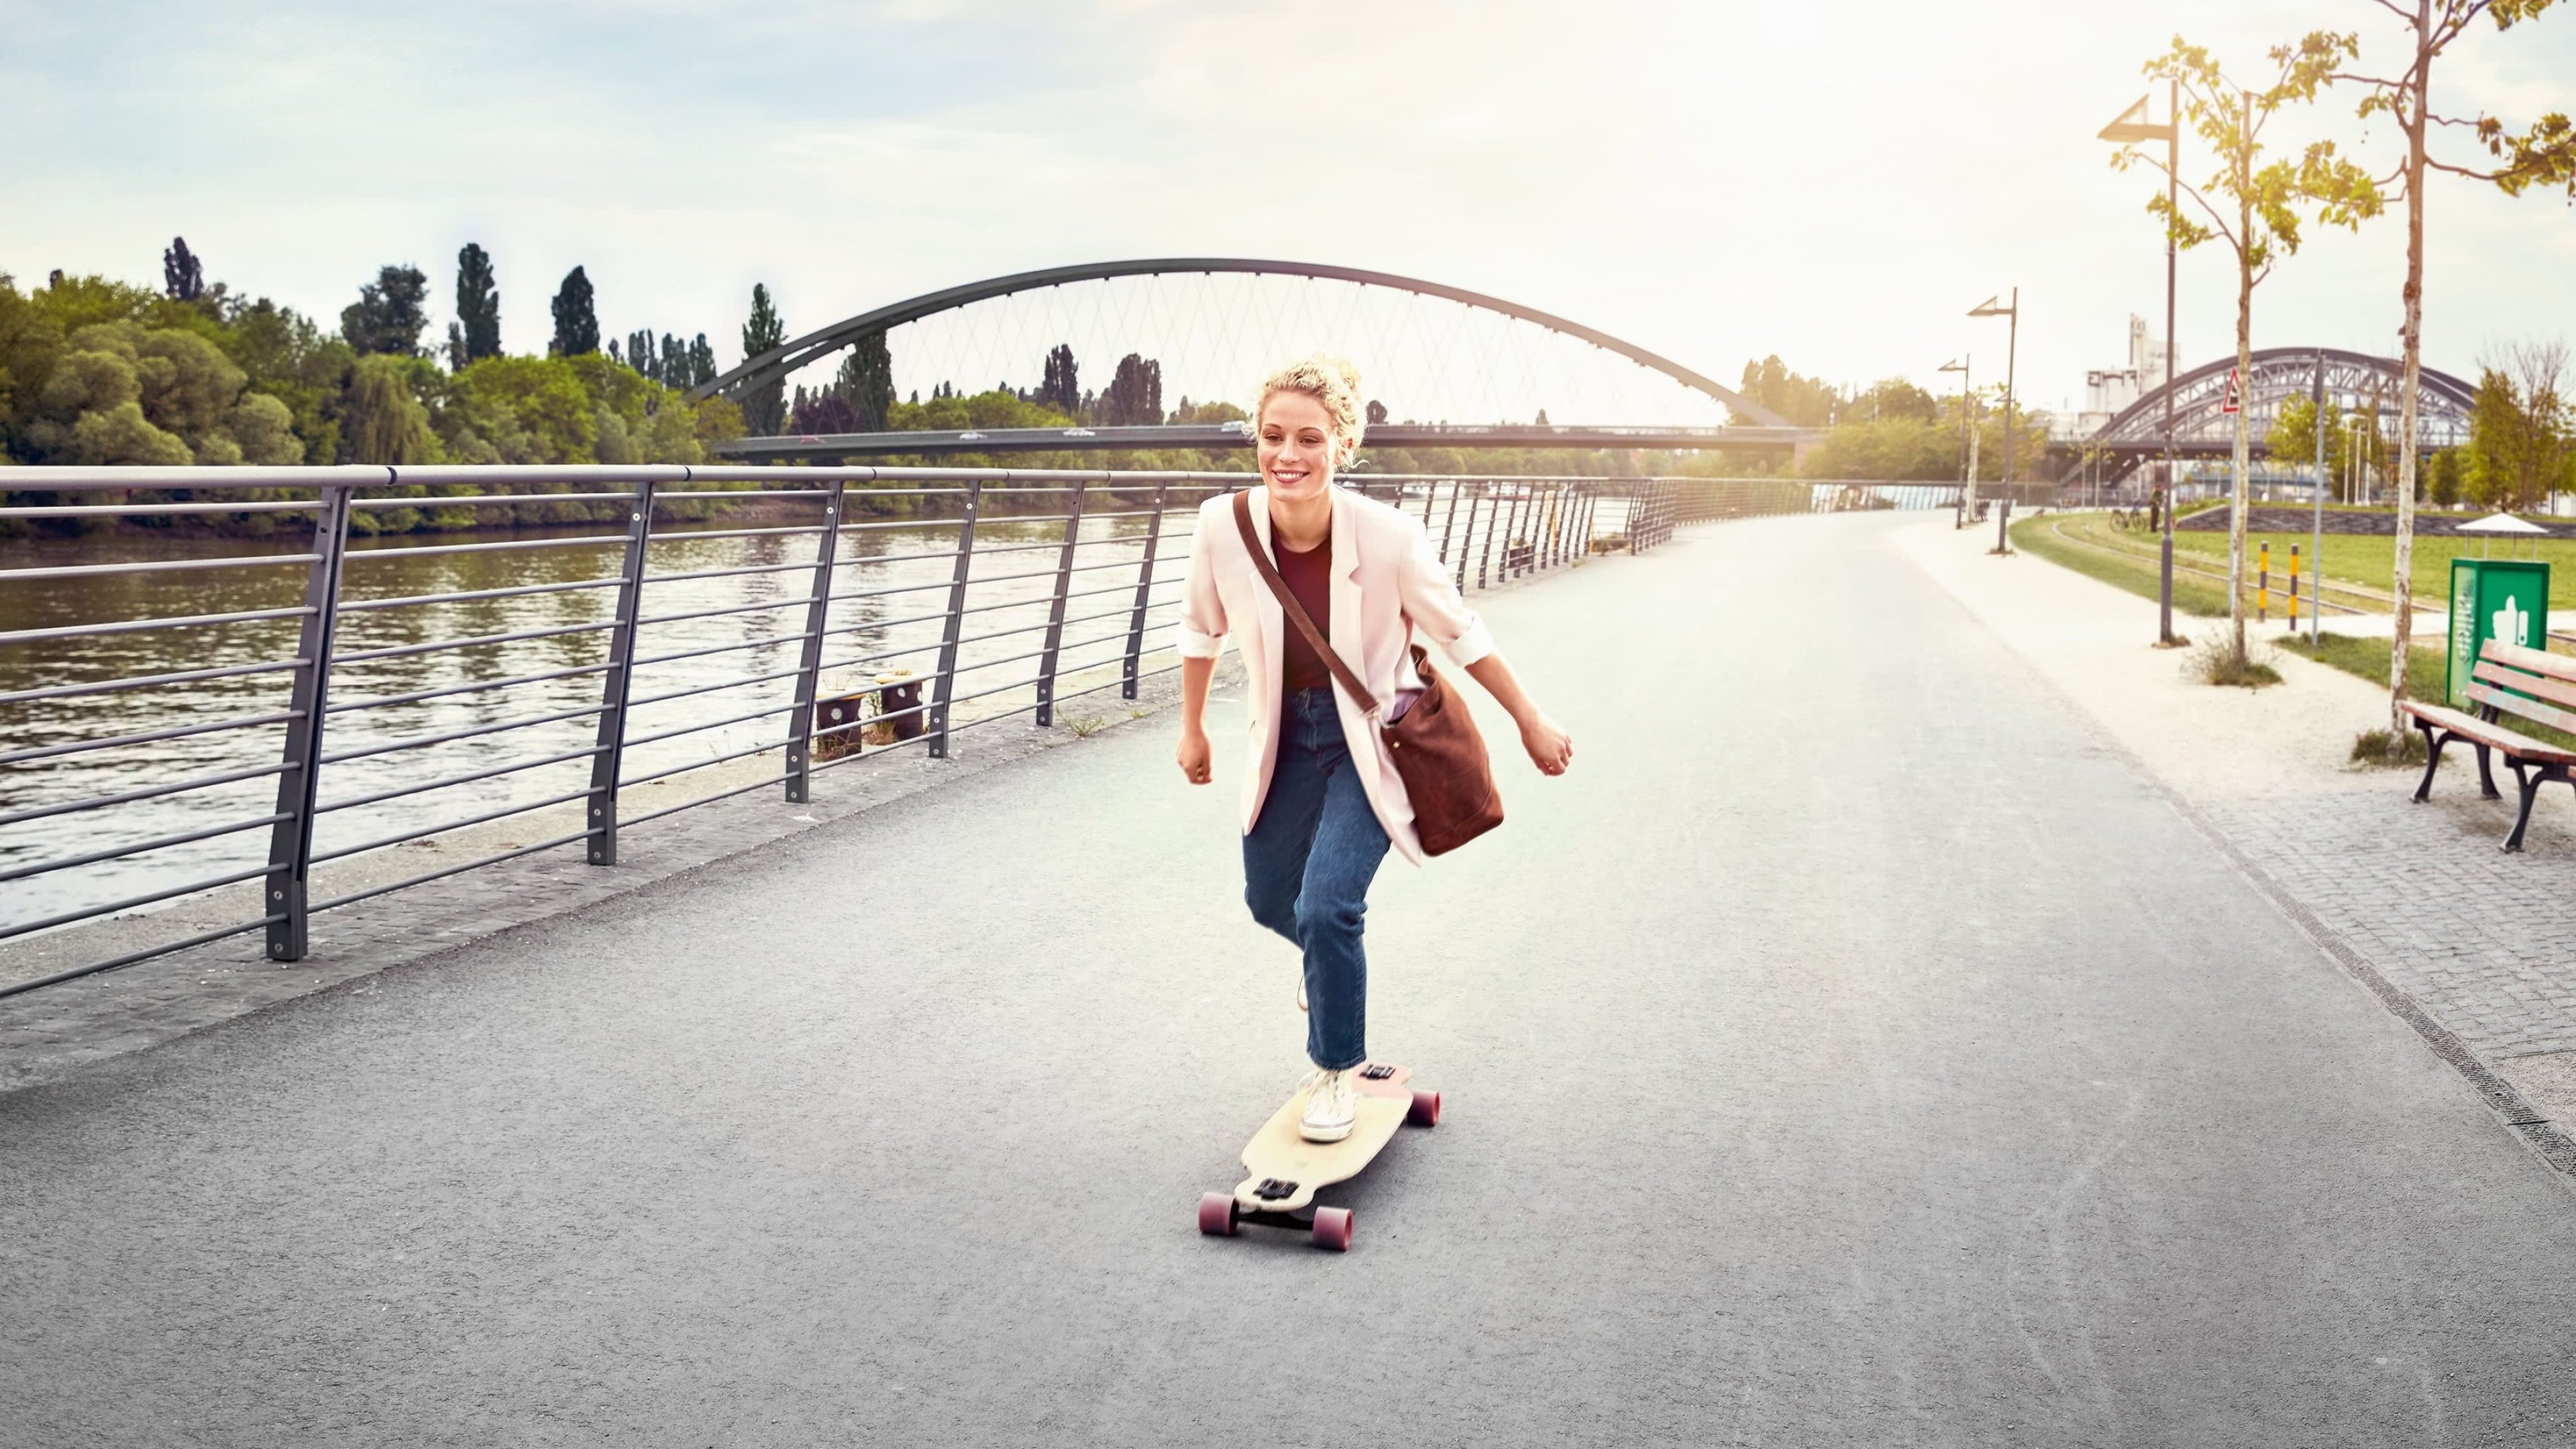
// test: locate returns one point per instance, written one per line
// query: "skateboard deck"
(1285, 1169)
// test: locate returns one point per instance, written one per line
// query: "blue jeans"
(1307, 864)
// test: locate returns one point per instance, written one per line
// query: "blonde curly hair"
(1329, 380)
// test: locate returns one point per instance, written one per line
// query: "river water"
(905, 569)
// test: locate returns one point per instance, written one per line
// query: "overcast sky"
(1714, 181)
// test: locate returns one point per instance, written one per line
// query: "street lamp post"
(2132, 127)
(1967, 437)
(2012, 350)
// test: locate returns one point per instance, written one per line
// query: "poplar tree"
(867, 380)
(181, 273)
(763, 406)
(576, 319)
(1059, 389)
(478, 307)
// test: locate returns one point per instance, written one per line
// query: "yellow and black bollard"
(2294, 588)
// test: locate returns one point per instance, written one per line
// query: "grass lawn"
(2371, 561)
(2089, 545)
(2368, 658)
(2056, 539)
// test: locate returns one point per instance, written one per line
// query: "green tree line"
(101, 372)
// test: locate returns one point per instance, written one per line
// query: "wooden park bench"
(2511, 680)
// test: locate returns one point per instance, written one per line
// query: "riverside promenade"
(1861, 1045)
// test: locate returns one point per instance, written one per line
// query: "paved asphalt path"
(1850, 1051)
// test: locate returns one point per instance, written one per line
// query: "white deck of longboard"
(1277, 1151)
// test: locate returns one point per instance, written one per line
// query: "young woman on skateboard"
(1321, 798)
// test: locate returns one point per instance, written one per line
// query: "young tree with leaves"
(2543, 155)
(2522, 434)
(478, 307)
(576, 317)
(2255, 207)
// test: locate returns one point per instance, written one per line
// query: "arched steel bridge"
(2355, 382)
(776, 364)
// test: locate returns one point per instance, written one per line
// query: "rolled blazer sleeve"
(1431, 601)
(1201, 632)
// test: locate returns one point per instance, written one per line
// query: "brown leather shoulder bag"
(1434, 743)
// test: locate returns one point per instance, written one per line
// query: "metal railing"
(1004, 592)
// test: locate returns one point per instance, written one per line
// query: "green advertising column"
(2493, 598)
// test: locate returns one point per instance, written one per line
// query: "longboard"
(1285, 1169)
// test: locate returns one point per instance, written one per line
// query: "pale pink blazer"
(1387, 581)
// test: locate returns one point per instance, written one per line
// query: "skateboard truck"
(1378, 1073)
(1272, 1189)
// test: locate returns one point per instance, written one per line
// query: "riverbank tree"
(95, 371)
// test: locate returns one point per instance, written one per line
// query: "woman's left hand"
(1550, 748)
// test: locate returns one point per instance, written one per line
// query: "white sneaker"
(1330, 1110)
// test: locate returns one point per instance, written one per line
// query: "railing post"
(1451, 526)
(1127, 668)
(1553, 530)
(809, 664)
(944, 688)
(609, 762)
(290, 841)
(1468, 540)
(1591, 506)
(1055, 611)
(1485, 559)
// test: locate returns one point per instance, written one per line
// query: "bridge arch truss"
(777, 364)
(2355, 382)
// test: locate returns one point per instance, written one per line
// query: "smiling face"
(1295, 439)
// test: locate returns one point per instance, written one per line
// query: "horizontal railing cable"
(148, 681)
(146, 792)
(140, 626)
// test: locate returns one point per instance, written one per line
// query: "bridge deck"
(1848, 1051)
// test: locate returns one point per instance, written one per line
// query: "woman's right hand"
(1193, 756)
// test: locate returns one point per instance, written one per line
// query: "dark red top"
(1309, 576)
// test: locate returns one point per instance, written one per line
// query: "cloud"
(1713, 181)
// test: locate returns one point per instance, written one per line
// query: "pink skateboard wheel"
(1426, 1109)
(1333, 1229)
(1216, 1214)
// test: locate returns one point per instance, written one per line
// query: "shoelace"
(1320, 1083)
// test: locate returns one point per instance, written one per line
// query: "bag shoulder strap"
(1295, 611)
